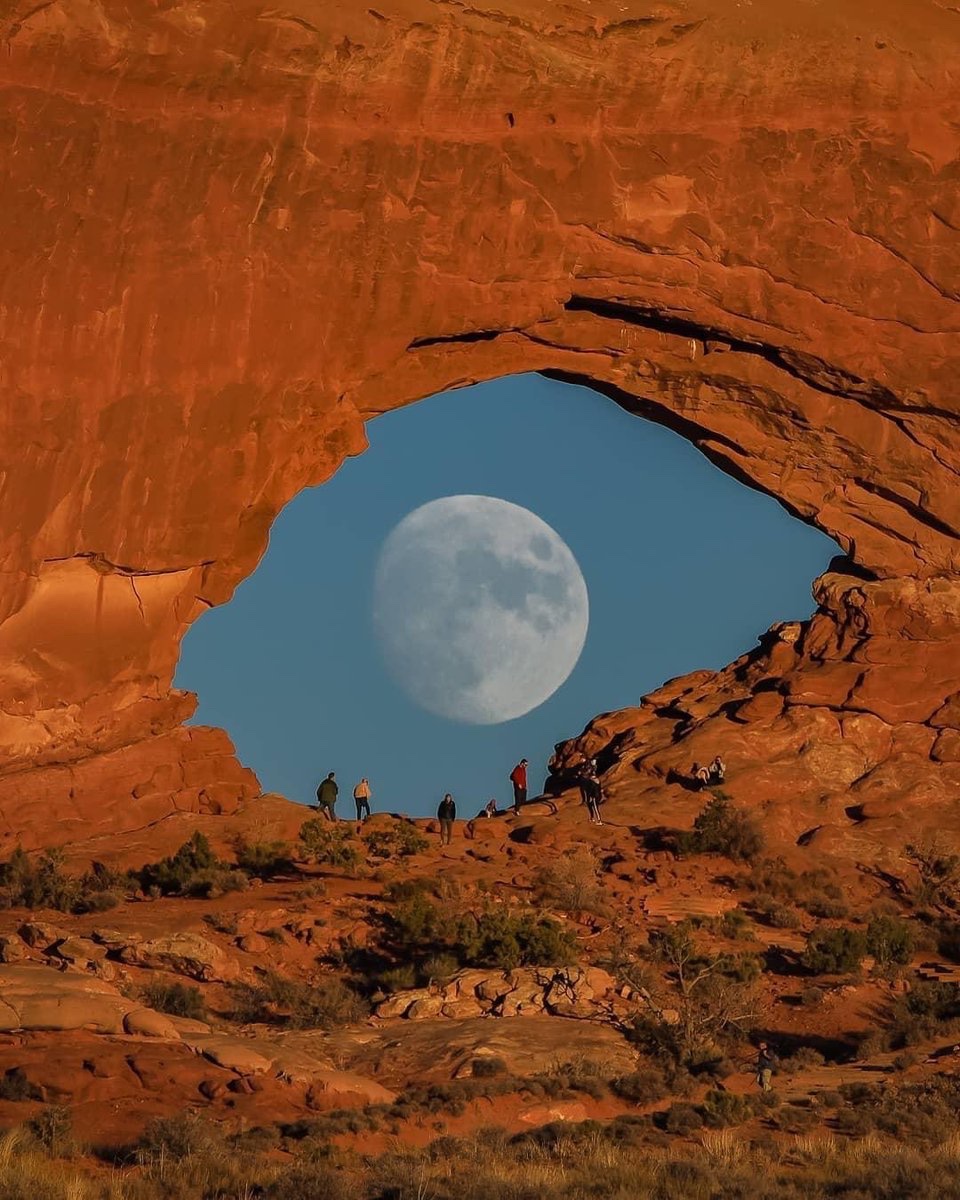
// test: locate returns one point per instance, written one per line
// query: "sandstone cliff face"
(234, 233)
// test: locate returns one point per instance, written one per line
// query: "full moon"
(480, 607)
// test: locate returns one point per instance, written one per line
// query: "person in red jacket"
(518, 777)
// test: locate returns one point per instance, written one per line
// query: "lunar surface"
(480, 607)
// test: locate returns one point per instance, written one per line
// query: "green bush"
(41, 883)
(263, 860)
(418, 928)
(721, 829)
(329, 844)
(194, 870)
(402, 839)
(175, 999)
(890, 941)
(834, 951)
(278, 1000)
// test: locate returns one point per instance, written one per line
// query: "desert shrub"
(176, 1137)
(53, 1129)
(278, 1000)
(794, 1118)
(641, 1087)
(774, 912)
(399, 979)
(263, 860)
(195, 870)
(721, 829)
(440, 967)
(402, 839)
(825, 908)
(734, 925)
(498, 937)
(313, 1180)
(815, 891)
(811, 997)
(720, 1109)
(41, 882)
(329, 844)
(418, 928)
(802, 1059)
(176, 999)
(15, 1086)
(890, 941)
(927, 1011)
(834, 951)
(680, 1118)
(572, 883)
(938, 871)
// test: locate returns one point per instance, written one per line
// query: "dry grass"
(567, 1163)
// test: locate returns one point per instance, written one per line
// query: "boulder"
(146, 1022)
(186, 954)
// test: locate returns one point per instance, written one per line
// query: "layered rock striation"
(235, 233)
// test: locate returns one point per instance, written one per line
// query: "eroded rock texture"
(234, 232)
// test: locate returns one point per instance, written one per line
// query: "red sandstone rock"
(210, 281)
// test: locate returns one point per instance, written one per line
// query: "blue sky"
(685, 567)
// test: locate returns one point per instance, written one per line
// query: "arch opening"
(683, 567)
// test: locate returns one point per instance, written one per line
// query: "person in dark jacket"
(518, 777)
(765, 1064)
(446, 815)
(327, 797)
(591, 794)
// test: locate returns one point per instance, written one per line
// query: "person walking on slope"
(518, 777)
(327, 797)
(590, 791)
(765, 1062)
(361, 797)
(446, 815)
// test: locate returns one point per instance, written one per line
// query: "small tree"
(835, 951)
(720, 829)
(938, 870)
(712, 996)
(890, 941)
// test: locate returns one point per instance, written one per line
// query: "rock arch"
(235, 234)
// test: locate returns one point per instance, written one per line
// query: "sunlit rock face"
(234, 234)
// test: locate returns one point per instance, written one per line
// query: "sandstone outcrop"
(740, 221)
(525, 991)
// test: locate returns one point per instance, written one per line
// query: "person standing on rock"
(361, 797)
(446, 815)
(327, 794)
(518, 777)
(590, 791)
